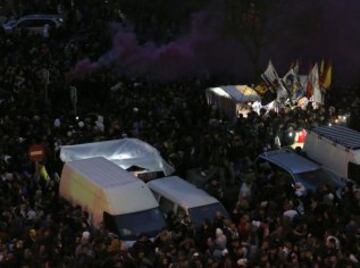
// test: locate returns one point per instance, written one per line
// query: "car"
(33, 23)
(301, 170)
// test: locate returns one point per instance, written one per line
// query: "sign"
(36, 152)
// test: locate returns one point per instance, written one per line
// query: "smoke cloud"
(201, 52)
(305, 30)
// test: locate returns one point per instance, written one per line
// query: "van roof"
(102, 172)
(344, 136)
(122, 193)
(290, 161)
(181, 192)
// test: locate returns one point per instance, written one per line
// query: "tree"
(250, 21)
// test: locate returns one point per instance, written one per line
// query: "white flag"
(314, 80)
(270, 75)
(291, 81)
(272, 79)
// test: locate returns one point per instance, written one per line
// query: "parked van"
(296, 169)
(183, 198)
(112, 196)
(337, 148)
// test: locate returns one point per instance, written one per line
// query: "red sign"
(36, 152)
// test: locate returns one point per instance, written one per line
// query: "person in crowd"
(270, 224)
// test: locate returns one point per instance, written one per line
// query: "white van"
(112, 196)
(337, 148)
(183, 198)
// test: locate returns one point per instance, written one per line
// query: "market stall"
(233, 100)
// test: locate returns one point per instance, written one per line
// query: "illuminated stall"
(233, 100)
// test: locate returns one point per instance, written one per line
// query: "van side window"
(181, 212)
(166, 205)
(354, 172)
(109, 222)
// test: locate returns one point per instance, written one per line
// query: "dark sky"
(321, 29)
(308, 30)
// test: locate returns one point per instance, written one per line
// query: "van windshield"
(198, 215)
(130, 226)
(316, 178)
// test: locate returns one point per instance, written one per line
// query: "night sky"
(321, 29)
(306, 30)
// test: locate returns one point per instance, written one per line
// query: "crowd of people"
(269, 225)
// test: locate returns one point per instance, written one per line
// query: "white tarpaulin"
(123, 152)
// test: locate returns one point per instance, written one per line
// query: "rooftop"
(347, 137)
(181, 192)
(290, 161)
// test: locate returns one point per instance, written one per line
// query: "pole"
(74, 98)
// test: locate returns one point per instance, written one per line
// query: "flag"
(310, 79)
(313, 86)
(296, 67)
(266, 94)
(273, 81)
(289, 78)
(43, 173)
(261, 89)
(292, 83)
(270, 76)
(326, 83)
(282, 92)
(322, 67)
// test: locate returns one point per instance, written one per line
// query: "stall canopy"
(125, 153)
(229, 99)
(237, 93)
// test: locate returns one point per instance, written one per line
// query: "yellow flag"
(322, 67)
(261, 89)
(43, 173)
(328, 77)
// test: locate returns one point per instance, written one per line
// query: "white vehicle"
(337, 148)
(112, 196)
(183, 198)
(298, 169)
(33, 23)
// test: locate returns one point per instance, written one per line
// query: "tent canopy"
(123, 152)
(239, 93)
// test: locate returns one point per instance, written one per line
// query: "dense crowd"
(270, 225)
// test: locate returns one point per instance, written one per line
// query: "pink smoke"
(198, 53)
